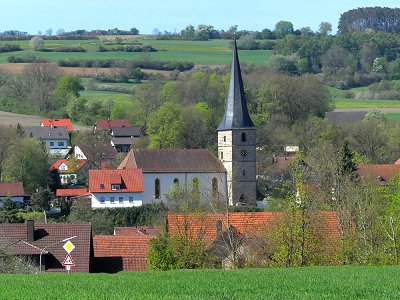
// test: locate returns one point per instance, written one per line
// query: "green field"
(213, 52)
(355, 103)
(279, 283)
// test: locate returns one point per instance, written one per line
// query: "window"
(112, 199)
(157, 189)
(51, 143)
(115, 187)
(130, 199)
(61, 144)
(121, 199)
(195, 188)
(102, 186)
(222, 155)
(244, 172)
(102, 200)
(214, 188)
(224, 138)
(243, 137)
(176, 181)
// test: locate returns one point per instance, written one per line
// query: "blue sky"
(32, 16)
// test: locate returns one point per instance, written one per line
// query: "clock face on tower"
(243, 153)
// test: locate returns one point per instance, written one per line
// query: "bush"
(169, 253)
(9, 48)
(63, 49)
(13, 264)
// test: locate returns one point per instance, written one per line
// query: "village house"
(13, 191)
(72, 193)
(55, 139)
(116, 188)
(123, 137)
(68, 169)
(58, 123)
(126, 250)
(98, 155)
(106, 126)
(43, 244)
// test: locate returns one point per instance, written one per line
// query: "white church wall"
(185, 180)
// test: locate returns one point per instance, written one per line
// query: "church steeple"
(236, 113)
(237, 141)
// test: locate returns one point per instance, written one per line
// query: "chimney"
(219, 227)
(30, 238)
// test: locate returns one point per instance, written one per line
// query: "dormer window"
(115, 187)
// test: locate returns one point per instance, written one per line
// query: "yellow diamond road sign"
(69, 247)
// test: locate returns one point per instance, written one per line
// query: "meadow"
(272, 283)
(213, 52)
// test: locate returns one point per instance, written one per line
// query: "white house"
(68, 169)
(191, 169)
(116, 188)
(13, 190)
(54, 138)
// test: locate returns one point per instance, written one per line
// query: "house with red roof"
(72, 193)
(108, 125)
(116, 188)
(12, 190)
(57, 123)
(43, 243)
(126, 250)
(378, 173)
(242, 231)
(68, 169)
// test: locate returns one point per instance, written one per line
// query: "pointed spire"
(236, 113)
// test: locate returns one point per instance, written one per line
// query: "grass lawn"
(99, 95)
(279, 283)
(213, 52)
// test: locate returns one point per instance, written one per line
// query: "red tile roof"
(110, 124)
(71, 192)
(115, 253)
(173, 160)
(279, 164)
(250, 224)
(46, 234)
(12, 189)
(139, 230)
(379, 173)
(74, 165)
(100, 181)
(58, 123)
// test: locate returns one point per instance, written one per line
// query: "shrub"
(9, 48)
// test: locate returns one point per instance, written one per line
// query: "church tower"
(237, 140)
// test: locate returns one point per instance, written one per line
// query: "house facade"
(43, 243)
(12, 190)
(68, 169)
(116, 188)
(55, 138)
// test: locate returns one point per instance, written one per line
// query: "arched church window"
(195, 187)
(243, 137)
(157, 189)
(176, 181)
(214, 188)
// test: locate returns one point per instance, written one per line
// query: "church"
(231, 175)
